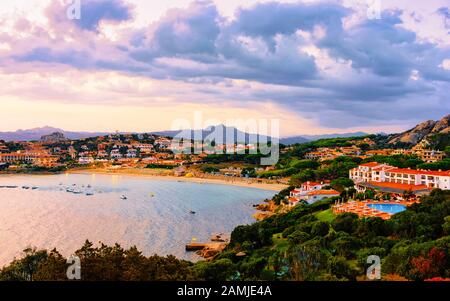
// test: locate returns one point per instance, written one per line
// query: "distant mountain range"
(35, 134)
(219, 130)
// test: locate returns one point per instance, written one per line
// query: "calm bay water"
(155, 216)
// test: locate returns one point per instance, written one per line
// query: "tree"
(342, 184)
(429, 266)
(346, 222)
(447, 151)
(303, 176)
(249, 172)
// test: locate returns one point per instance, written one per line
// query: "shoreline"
(152, 174)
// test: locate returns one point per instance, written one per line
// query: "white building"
(85, 160)
(131, 153)
(115, 154)
(311, 192)
(383, 173)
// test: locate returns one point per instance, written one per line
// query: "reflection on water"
(63, 211)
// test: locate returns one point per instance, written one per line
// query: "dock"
(209, 249)
(197, 246)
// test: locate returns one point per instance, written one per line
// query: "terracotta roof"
(370, 164)
(311, 183)
(324, 192)
(293, 200)
(383, 167)
(399, 186)
(420, 172)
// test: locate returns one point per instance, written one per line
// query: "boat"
(123, 197)
(34, 187)
(89, 193)
(11, 186)
(25, 187)
(192, 212)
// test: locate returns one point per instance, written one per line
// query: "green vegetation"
(325, 215)
(246, 158)
(160, 166)
(440, 141)
(207, 168)
(413, 244)
(440, 165)
(401, 161)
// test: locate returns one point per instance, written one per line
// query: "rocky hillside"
(423, 130)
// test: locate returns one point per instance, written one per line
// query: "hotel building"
(376, 175)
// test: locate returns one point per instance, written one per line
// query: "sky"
(133, 65)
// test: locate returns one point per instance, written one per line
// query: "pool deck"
(362, 210)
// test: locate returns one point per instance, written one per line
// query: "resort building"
(38, 159)
(427, 155)
(391, 179)
(431, 156)
(369, 172)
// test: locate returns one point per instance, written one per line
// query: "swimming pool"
(389, 208)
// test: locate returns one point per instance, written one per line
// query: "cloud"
(302, 57)
(92, 13)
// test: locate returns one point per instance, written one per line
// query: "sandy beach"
(168, 175)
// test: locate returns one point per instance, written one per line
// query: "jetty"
(197, 246)
(210, 249)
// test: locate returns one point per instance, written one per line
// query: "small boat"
(192, 212)
(25, 187)
(123, 197)
(34, 187)
(11, 186)
(89, 193)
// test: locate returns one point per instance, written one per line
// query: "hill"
(424, 130)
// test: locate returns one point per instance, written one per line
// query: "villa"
(311, 192)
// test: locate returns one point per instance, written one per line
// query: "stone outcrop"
(422, 131)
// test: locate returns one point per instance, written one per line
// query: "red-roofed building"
(382, 173)
(311, 192)
(368, 172)
(307, 187)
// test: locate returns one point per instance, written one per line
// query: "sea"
(158, 216)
